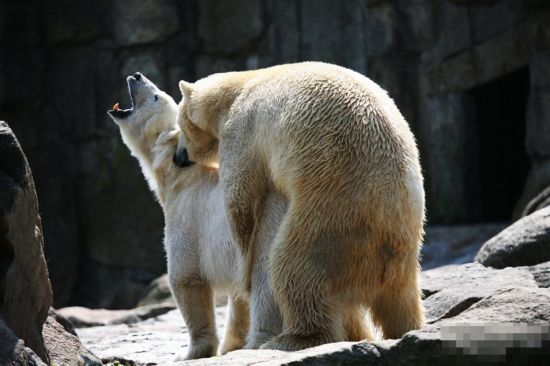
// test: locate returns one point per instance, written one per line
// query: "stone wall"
(64, 64)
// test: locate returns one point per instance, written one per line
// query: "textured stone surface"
(65, 348)
(541, 200)
(541, 273)
(226, 35)
(13, 350)
(157, 292)
(537, 181)
(25, 290)
(454, 244)
(143, 21)
(84, 317)
(526, 242)
(452, 289)
(538, 110)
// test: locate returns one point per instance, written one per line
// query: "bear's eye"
(156, 97)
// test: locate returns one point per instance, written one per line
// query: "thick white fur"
(336, 146)
(201, 255)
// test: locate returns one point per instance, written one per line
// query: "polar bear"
(200, 253)
(334, 144)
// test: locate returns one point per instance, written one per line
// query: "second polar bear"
(334, 144)
(201, 255)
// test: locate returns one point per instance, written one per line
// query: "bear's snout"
(137, 76)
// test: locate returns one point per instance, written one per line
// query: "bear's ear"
(186, 89)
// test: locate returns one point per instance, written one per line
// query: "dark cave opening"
(500, 109)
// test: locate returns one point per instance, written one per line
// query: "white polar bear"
(201, 255)
(335, 145)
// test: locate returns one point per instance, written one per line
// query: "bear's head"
(152, 116)
(152, 109)
(198, 115)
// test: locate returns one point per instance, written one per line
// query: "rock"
(416, 25)
(525, 242)
(492, 19)
(158, 292)
(86, 25)
(84, 317)
(65, 323)
(541, 200)
(156, 340)
(541, 273)
(13, 350)
(451, 290)
(455, 244)
(65, 348)
(144, 21)
(229, 35)
(25, 290)
(538, 180)
(112, 287)
(537, 140)
(379, 29)
(340, 40)
(509, 305)
(501, 54)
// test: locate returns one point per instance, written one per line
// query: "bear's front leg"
(244, 188)
(195, 301)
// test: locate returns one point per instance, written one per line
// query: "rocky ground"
(461, 301)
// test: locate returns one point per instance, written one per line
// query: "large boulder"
(64, 347)
(525, 242)
(13, 350)
(25, 290)
(452, 289)
(541, 273)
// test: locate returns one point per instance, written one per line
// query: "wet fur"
(337, 148)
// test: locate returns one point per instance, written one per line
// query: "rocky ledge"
(501, 313)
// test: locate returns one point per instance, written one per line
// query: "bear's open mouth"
(120, 113)
(123, 113)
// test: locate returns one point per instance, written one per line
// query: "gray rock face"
(541, 273)
(526, 242)
(452, 289)
(144, 21)
(455, 244)
(157, 292)
(25, 291)
(84, 317)
(13, 350)
(65, 348)
(229, 35)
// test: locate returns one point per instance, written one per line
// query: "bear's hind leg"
(398, 308)
(236, 326)
(355, 325)
(265, 318)
(302, 283)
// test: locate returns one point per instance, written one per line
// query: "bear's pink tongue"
(116, 107)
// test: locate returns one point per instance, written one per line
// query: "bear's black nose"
(182, 159)
(137, 76)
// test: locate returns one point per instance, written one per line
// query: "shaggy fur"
(338, 149)
(201, 255)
